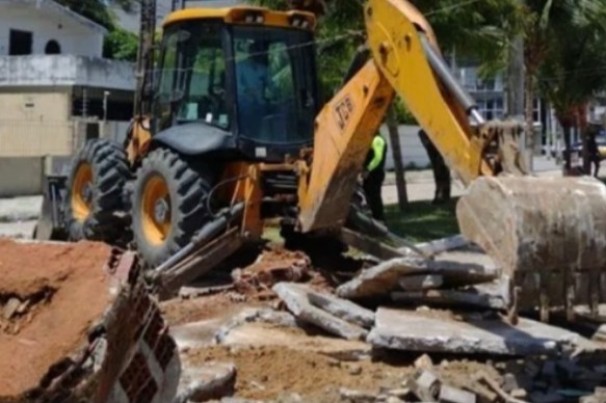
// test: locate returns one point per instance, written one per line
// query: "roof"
(56, 8)
(237, 15)
(130, 20)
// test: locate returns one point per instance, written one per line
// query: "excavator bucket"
(548, 235)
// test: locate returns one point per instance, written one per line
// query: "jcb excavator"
(230, 132)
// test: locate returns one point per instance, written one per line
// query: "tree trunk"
(515, 80)
(529, 146)
(396, 151)
(567, 156)
(441, 172)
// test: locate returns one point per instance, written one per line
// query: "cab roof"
(246, 15)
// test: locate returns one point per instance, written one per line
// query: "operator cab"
(237, 80)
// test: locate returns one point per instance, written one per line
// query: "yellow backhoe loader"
(230, 132)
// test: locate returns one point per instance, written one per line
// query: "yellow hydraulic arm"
(405, 60)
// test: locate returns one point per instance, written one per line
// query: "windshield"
(275, 84)
(192, 82)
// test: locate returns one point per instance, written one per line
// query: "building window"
(52, 47)
(20, 43)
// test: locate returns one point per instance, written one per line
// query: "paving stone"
(296, 299)
(380, 280)
(416, 331)
(421, 282)
(449, 394)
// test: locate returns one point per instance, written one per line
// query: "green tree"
(572, 71)
(120, 44)
(94, 10)
(546, 25)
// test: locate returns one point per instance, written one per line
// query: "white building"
(44, 27)
(56, 90)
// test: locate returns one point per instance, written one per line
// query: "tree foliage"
(94, 10)
(121, 45)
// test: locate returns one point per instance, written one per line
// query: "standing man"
(374, 176)
(593, 150)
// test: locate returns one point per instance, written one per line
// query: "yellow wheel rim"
(81, 194)
(155, 210)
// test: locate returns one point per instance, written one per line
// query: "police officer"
(374, 176)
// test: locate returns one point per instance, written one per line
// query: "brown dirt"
(275, 265)
(76, 295)
(267, 372)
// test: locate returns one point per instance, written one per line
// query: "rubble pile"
(76, 318)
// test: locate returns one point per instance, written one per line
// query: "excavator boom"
(525, 223)
(405, 60)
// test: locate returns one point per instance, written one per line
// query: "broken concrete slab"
(416, 331)
(380, 280)
(421, 282)
(477, 296)
(439, 245)
(341, 308)
(297, 300)
(270, 335)
(254, 315)
(211, 382)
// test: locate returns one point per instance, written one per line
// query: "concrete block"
(448, 394)
(422, 282)
(296, 298)
(380, 280)
(416, 331)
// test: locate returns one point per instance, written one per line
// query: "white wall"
(65, 70)
(413, 151)
(73, 37)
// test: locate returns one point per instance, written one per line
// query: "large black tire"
(180, 187)
(97, 176)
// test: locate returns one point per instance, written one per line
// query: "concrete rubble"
(336, 316)
(414, 331)
(385, 277)
(213, 381)
(369, 340)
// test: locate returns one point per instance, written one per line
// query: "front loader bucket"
(548, 235)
